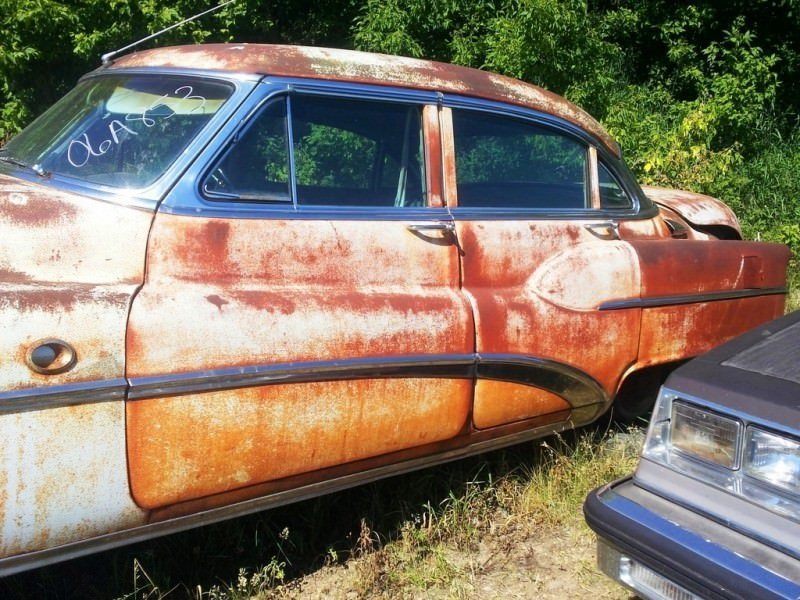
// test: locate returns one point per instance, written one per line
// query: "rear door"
(539, 259)
(302, 306)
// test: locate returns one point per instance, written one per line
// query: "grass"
(481, 527)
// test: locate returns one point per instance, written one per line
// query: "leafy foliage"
(702, 95)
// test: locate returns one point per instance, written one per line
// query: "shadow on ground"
(304, 536)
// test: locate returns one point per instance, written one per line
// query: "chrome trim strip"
(578, 388)
(690, 298)
(443, 365)
(40, 398)
(16, 564)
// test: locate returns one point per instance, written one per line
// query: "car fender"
(704, 213)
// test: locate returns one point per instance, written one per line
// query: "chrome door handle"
(447, 226)
(608, 230)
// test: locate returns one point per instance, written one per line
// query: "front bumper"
(686, 554)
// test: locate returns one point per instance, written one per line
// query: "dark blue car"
(713, 509)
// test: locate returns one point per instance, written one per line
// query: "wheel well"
(637, 393)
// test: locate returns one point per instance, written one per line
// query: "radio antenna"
(109, 57)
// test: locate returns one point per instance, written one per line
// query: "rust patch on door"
(191, 446)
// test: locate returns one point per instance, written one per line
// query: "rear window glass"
(120, 130)
(503, 162)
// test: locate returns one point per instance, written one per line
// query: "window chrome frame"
(642, 207)
(542, 130)
(186, 198)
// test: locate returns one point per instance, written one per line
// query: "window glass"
(256, 167)
(611, 193)
(508, 163)
(357, 153)
(119, 130)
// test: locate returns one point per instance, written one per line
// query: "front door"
(314, 318)
(537, 264)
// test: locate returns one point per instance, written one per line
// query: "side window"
(357, 153)
(503, 162)
(256, 167)
(611, 193)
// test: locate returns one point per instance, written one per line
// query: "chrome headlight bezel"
(736, 478)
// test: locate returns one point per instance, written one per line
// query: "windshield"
(120, 130)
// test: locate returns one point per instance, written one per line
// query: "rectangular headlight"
(704, 435)
(773, 458)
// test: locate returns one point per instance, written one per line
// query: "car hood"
(756, 374)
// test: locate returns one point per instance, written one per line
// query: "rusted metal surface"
(230, 292)
(363, 67)
(448, 157)
(69, 266)
(192, 446)
(395, 462)
(677, 332)
(501, 402)
(227, 293)
(668, 217)
(433, 155)
(536, 286)
(673, 267)
(63, 476)
(698, 209)
(644, 229)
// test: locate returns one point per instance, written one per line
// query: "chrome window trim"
(563, 132)
(225, 149)
(580, 390)
(185, 198)
(207, 73)
(148, 198)
(642, 207)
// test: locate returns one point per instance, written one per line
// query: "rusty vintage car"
(235, 276)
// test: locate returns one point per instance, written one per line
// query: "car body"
(713, 510)
(236, 276)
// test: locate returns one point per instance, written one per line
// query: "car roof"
(757, 373)
(364, 67)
